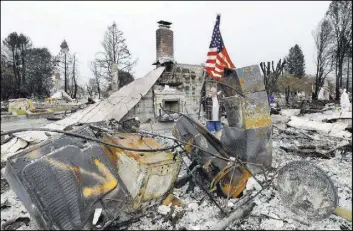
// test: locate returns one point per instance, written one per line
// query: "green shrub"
(21, 112)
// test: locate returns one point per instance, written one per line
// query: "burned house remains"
(177, 89)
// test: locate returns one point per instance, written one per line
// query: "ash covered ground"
(269, 212)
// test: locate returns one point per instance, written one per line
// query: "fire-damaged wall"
(177, 89)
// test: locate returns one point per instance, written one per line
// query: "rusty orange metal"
(265, 121)
(131, 141)
(232, 180)
(188, 146)
(237, 186)
(147, 175)
(174, 201)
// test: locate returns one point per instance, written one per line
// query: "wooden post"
(202, 86)
(347, 82)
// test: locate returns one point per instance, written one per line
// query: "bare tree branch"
(115, 51)
(270, 78)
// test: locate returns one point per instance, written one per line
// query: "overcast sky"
(252, 31)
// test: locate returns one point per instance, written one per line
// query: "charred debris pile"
(113, 175)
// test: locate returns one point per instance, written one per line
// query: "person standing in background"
(213, 107)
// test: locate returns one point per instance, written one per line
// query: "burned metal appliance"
(63, 180)
(148, 175)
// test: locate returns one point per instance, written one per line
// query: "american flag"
(217, 56)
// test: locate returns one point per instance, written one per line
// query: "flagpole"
(202, 85)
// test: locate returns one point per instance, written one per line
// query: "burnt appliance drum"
(63, 180)
(148, 175)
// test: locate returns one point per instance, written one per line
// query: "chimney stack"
(164, 43)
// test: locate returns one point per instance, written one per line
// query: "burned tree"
(90, 87)
(271, 76)
(324, 65)
(289, 84)
(116, 53)
(24, 44)
(349, 69)
(72, 87)
(96, 82)
(339, 15)
(63, 59)
(8, 82)
(25, 70)
(15, 49)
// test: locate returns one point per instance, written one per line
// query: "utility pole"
(347, 82)
(65, 72)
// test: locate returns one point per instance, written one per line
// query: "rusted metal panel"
(148, 175)
(62, 181)
(186, 131)
(234, 109)
(246, 80)
(232, 179)
(249, 134)
(256, 111)
(250, 145)
(250, 112)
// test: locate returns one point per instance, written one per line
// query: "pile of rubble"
(83, 173)
(195, 209)
(268, 212)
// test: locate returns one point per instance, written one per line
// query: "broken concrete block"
(279, 119)
(335, 129)
(290, 112)
(32, 136)
(12, 147)
(163, 209)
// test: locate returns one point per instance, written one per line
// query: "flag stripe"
(217, 56)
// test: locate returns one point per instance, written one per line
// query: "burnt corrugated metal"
(116, 106)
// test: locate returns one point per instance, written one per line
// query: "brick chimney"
(164, 43)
